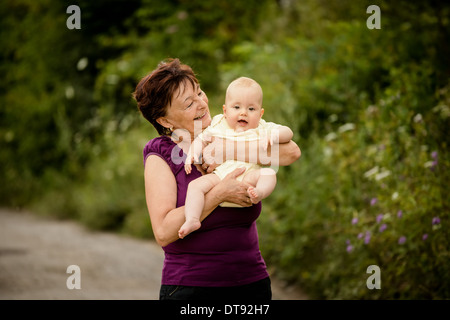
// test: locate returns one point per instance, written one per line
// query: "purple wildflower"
(349, 246)
(383, 227)
(355, 220)
(399, 214)
(433, 165)
(360, 235)
(367, 238)
(425, 236)
(379, 217)
(373, 201)
(402, 240)
(435, 220)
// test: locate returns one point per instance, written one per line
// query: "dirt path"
(35, 253)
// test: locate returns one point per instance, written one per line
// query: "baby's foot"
(189, 226)
(253, 194)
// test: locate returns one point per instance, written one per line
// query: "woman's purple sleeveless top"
(224, 251)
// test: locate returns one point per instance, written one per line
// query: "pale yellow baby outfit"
(220, 128)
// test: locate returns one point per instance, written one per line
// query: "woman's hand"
(232, 190)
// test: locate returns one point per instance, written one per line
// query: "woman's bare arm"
(161, 197)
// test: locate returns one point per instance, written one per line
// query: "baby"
(241, 121)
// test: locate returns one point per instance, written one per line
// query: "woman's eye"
(190, 105)
(200, 93)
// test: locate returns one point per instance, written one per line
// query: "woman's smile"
(200, 117)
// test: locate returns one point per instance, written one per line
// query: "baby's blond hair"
(244, 82)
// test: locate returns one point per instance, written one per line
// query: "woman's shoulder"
(161, 146)
(159, 143)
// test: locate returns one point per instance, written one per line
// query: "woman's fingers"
(237, 190)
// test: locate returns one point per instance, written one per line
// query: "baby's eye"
(252, 109)
(236, 107)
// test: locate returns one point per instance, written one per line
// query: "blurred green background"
(369, 108)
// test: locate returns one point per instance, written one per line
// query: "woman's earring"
(171, 129)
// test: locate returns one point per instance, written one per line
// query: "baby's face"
(243, 109)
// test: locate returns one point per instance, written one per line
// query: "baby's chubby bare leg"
(264, 181)
(195, 201)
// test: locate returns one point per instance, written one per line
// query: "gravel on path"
(35, 253)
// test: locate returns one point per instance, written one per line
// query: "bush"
(369, 188)
(369, 193)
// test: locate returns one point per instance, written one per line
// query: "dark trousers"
(259, 290)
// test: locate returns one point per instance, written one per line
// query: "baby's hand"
(188, 164)
(197, 157)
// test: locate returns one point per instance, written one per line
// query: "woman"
(222, 259)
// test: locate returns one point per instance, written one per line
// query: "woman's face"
(189, 109)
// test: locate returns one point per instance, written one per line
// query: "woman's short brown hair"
(155, 91)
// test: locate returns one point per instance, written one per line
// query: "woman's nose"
(203, 103)
(202, 106)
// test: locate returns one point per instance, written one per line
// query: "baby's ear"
(262, 112)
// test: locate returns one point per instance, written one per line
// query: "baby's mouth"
(242, 122)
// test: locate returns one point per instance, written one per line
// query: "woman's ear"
(165, 123)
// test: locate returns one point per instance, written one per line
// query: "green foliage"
(369, 109)
(372, 121)
(370, 181)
